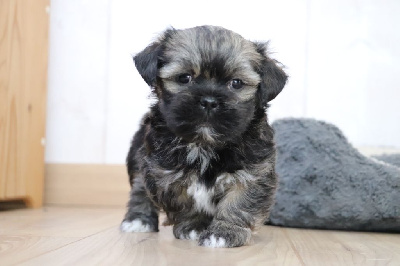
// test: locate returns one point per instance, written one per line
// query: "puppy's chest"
(190, 192)
(200, 179)
(193, 160)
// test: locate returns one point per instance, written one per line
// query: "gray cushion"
(393, 159)
(326, 183)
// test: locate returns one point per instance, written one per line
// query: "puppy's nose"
(208, 102)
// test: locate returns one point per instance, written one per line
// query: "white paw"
(135, 226)
(193, 235)
(214, 242)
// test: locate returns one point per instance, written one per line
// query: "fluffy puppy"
(204, 152)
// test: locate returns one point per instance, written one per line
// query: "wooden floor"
(90, 236)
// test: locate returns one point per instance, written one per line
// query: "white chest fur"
(202, 197)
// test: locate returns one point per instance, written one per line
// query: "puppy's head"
(209, 81)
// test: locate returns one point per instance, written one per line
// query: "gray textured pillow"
(393, 159)
(326, 183)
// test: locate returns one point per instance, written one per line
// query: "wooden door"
(23, 80)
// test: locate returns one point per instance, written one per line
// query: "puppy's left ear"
(146, 62)
(273, 78)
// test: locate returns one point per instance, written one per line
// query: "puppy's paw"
(137, 225)
(189, 230)
(225, 237)
(213, 241)
(192, 235)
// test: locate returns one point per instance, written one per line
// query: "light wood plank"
(23, 78)
(371, 248)
(59, 221)
(272, 246)
(345, 248)
(90, 236)
(37, 28)
(17, 249)
(269, 247)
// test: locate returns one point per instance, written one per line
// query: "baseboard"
(86, 184)
(105, 184)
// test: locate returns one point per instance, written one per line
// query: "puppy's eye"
(184, 78)
(236, 84)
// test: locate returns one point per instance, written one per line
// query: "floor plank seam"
(296, 252)
(66, 245)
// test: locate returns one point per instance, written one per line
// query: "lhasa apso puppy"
(205, 152)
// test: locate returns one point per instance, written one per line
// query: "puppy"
(204, 152)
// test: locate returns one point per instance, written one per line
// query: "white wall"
(341, 57)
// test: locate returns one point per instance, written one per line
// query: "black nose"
(208, 102)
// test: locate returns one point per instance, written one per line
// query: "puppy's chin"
(207, 134)
(204, 135)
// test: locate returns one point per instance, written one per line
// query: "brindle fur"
(212, 173)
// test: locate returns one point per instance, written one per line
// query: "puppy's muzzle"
(209, 103)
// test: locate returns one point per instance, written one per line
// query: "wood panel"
(23, 79)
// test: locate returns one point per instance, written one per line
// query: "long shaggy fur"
(204, 152)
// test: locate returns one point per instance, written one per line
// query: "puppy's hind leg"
(142, 215)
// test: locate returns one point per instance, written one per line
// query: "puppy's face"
(209, 81)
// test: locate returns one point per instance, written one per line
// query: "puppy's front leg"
(241, 210)
(142, 214)
(191, 225)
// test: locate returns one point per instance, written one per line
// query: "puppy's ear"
(146, 62)
(273, 78)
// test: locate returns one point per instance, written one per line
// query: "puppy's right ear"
(147, 62)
